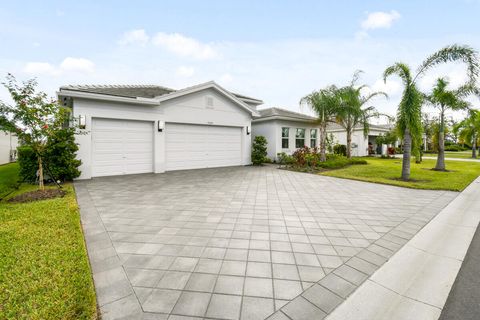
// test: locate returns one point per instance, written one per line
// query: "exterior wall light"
(82, 121)
(161, 125)
(248, 130)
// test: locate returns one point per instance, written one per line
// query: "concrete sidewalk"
(416, 281)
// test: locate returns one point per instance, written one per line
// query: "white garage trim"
(190, 146)
(121, 147)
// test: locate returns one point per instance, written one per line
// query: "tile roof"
(134, 91)
(278, 112)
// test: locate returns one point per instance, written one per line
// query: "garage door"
(121, 147)
(197, 146)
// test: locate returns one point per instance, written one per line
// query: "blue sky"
(277, 51)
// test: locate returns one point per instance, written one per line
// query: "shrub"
(285, 159)
(28, 163)
(338, 161)
(259, 150)
(267, 160)
(455, 147)
(340, 149)
(306, 156)
(58, 159)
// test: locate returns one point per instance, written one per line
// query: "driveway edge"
(115, 296)
(416, 281)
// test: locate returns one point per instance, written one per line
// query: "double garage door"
(126, 147)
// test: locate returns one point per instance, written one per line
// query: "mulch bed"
(38, 195)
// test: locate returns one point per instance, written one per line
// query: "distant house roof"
(379, 127)
(279, 113)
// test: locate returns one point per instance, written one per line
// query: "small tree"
(259, 150)
(33, 117)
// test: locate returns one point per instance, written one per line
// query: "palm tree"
(409, 115)
(325, 103)
(469, 130)
(443, 99)
(352, 110)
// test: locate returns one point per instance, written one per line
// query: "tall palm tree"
(444, 99)
(325, 103)
(469, 130)
(409, 110)
(353, 112)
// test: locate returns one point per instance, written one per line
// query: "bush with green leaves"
(59, 158)
(285, 159)
(259, 150)
(340, 149)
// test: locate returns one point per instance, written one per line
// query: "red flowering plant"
(32, 116)
(306, 157)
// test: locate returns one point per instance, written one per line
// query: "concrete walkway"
(453, 159)
(416, 282)
(241, 243)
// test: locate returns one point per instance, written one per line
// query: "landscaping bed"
(44, 269)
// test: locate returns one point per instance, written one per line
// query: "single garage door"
(121, 147)
(197, 146)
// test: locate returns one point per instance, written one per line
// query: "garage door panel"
(121, 147)
(198, 146)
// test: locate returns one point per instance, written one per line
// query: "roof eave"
(105, 97)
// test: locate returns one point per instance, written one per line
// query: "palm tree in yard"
(325, 104)
(445, 99)
(469, 130)
(409, 113)
(353, 110)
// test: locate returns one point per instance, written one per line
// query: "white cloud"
(184, 71)
(391, 87)
(184, 46)
(225, 79)
(69, 64)
(138, 36)
(380, 20)
(35, 68)
(77, 64)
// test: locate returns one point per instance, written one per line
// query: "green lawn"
(44, 270)
(387, 171)
(454, 154)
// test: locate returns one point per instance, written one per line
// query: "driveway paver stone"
(241, 242)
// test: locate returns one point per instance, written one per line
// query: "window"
(313, 138)
(285, 132)
(300, 138)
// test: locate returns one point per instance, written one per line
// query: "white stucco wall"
(272, 130)
(189, 109)
(358, 138)
(7, 142)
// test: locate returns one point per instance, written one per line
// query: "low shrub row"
(309, 158)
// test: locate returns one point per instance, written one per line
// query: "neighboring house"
(8, 147)
(361, 145)
(140, 129)
(285, 130)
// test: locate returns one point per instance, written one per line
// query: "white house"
(285, 130)
(361, 145)
(140, 129)
(8, 147)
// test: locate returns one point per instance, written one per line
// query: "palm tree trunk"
(349, 144)
(474, 146)
(441, 145)
(323, 137)
(407, 153)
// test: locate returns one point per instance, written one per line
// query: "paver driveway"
(241, 242)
